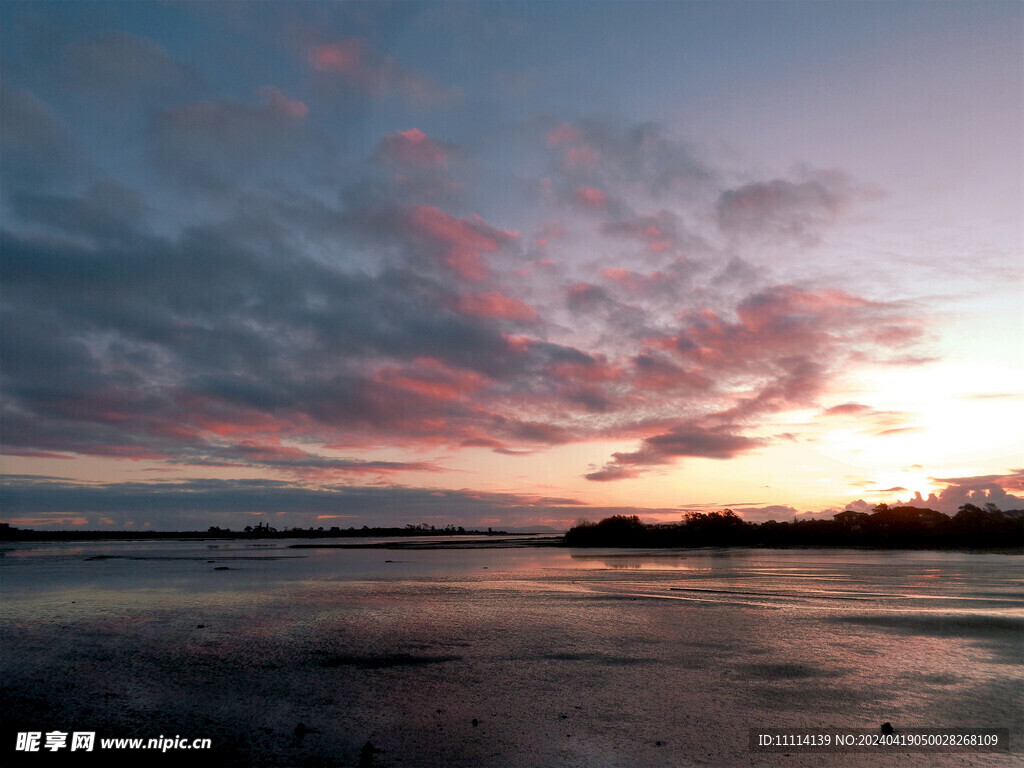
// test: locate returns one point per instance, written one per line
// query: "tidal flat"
(520, 656)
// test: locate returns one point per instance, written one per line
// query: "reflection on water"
(636, 561)
(956, 582)
(945, 582)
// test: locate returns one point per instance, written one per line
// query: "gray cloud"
(119, 65)
(221, 144)
(796, 209)
(600, 152)
(36, 145)
(108, 209)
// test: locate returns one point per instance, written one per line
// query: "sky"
(507, 264)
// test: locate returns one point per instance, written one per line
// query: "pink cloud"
(552, 229)
(215, 417)
(352, 62)
(692, 439)
(848, 409)
(563, 134)
(594, 370)
(759, 311)
(270, 449)
(613, 472)
(347, 56)
(413, 148)
(634, 282)
(482, 442)
(497, 305)
(128, 451)
(580, 159)
(872, 421)
(541, 432)
(897, 335)
(779, 321)
(591, 197)
(898, 431)
(578, 156)
(657, 231)
(655, 373)
(431, 379)
(647, 228)
(462, 242)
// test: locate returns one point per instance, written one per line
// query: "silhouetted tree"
(888, 527)
(614, 531)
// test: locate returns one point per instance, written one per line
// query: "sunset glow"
(508, 264)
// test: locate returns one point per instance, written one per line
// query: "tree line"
(899, 527)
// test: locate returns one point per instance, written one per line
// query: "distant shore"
(10, 533)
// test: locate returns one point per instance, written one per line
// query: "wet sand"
(510, 658)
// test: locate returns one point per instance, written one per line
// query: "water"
(561, 657)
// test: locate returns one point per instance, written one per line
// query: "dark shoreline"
(904, 527)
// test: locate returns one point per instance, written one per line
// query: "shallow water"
(561, 657)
